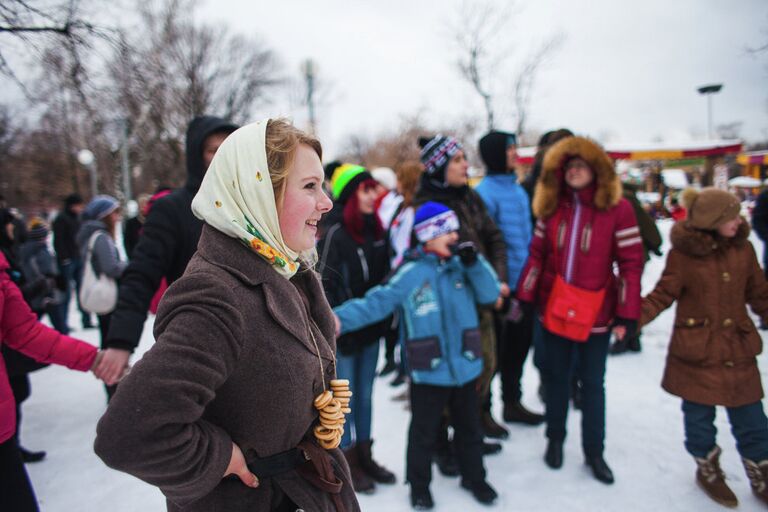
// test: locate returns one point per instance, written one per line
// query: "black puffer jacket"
(349, 270)
(65, 228)
(475, 225)
(168, 241)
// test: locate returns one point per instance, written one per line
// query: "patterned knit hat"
(37, 229)
(345, 180)
(100, 206)
(435, 154)
(432, 220)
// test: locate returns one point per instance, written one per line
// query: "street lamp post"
(86, 158)
(708, 91)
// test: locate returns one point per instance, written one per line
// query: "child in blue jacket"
(437, 293)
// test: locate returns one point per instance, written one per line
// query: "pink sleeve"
(23, 332)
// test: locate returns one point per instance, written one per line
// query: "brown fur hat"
(548, 188)
(710, 207)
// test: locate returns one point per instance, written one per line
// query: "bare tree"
(526, 79)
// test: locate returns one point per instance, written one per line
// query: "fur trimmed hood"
(699, 243)
(551, 184)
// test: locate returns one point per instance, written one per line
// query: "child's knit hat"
(37, 229)
(710, 207)
(432, 220)
(346, 179)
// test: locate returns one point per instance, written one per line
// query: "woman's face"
(366, 199)
(730, 228)
(578, 175)
(456, 172)
(304, 201)
(441, 245)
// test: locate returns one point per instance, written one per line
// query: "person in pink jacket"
(20, 330)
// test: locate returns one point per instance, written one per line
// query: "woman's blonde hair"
(408, 175)
(282, 141)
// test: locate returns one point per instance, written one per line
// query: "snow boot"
(554, 454)
(600, 468)
(491, 448)
(360, 479)
(517, 413)
(29, 457)
(711, 479)
(378, 473)
(757, 472)
(491, 428)
(481, 490)
(421, 498)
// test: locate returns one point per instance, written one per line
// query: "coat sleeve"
(528, 283)
(628, 248)
(757, 287)
(483, 280)
(105, 257)
(666, 292)
(380, 301)
(152, 259)
(23, 332)
(154, 427)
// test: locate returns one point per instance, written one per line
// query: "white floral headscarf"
(236, 198)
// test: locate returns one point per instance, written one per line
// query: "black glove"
(467, 253)
(630, 325)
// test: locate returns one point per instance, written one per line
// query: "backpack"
(98, 294)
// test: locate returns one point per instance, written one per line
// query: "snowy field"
(644, 445)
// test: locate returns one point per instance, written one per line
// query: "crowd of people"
(277, 280)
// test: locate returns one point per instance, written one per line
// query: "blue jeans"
(748, 425)
(560, 354)
(360, 370)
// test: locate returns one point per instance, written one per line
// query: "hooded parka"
(711, 358)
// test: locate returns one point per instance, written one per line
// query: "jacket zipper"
(363, 263)
(572, 242)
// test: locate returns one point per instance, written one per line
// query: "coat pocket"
(472, 344)
(690, 339)
(750, 341)
(424, 353)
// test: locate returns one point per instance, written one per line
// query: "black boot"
(421, 498)
(491, 428)
(634, 344)
(29, 457)
(481, 490)
(378, 473)
(360, 479)
(600, 468)
(517, 413)
(446, 462)
(491, 448)
(554, 455)
(618, 347)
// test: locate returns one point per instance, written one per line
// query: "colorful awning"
(753, 158)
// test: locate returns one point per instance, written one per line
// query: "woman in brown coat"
(713, 274)
(219, 414)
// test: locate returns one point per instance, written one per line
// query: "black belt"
(277, 464)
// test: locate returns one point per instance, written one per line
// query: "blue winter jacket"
(439, 323)
(509, 207)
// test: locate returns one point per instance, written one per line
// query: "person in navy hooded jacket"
(437, 292)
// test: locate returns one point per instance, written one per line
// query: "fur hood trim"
(551, 184)
(699, 243)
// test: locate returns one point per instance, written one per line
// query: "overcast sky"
(627, 71)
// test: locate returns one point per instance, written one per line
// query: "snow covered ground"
(644, 445)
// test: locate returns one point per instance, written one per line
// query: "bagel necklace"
(332, 404)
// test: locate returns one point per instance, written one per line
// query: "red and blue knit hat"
(436, 153)
(432, 220)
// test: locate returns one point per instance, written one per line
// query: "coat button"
(729, 364)
(727, 322)
(726, 277)
(690, 322)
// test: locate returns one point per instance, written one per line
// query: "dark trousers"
(748, 425)
(21, 389)
(103, 331)
(427, 404)
(16, 492)
(72, 270)
(559, 356)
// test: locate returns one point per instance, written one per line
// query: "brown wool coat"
(233, 362)
(712, 353)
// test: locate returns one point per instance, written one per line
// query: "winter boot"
(481, 490)
(619, 347)
(421, 498)
(491, 448)
(375, 471)
(360, 479)
(29, 457)
(554, 454)
(757, 472)
(711, 479)
(491, 428)
(517, 413)
(634, 344)
(446, 462)
(600, 468)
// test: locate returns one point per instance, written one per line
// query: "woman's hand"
(504, 292)
(111, 366)
(237, 466)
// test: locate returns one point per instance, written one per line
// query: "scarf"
(236, 198)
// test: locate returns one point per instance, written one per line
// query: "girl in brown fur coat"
(712, 273)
